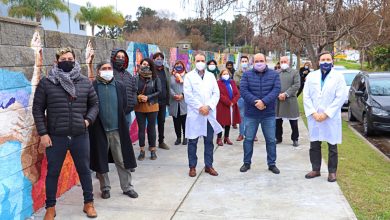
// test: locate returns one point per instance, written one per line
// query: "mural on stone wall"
(23, 166)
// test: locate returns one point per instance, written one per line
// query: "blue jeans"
(241, 107)
(208, 148)
(268, 128)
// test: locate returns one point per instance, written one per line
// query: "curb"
(369, 143)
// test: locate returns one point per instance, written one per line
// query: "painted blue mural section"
(15, 189)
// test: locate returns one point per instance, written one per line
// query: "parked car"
(349, 75)
(369, 101)
(339, 68)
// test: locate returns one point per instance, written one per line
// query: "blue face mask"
(326, 66)
(179, 68)
(159, 62)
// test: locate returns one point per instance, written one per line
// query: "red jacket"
(223, 107)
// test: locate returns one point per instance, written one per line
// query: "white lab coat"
(199, 92)
(329, 99)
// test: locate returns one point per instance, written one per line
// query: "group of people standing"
(91, 117)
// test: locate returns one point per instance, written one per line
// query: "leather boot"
(226, 140)
(219, 142)
(90, 210)
(50, 213)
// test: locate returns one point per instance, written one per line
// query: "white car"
(349, 75)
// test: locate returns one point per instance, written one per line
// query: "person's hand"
(46, 141)
(204, 110)
(86, 123)
(282, 96)
(260, 104)
(89, 53)
(181, 97)
(315, 115)
(322, 117)
(144, 98)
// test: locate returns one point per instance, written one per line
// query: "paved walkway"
(167, 192)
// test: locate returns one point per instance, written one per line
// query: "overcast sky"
(175, 7)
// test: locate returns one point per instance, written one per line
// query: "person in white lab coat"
(201, 95)
(323, 97)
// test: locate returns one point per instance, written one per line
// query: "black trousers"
(315, 156)
(161, 122)
(151, 130)
(227, 130)
(294, 128)
(79, 149)
(179, 123)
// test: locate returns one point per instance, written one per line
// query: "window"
(82, 27)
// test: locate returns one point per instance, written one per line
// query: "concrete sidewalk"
(167, 192)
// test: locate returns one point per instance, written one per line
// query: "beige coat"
(290, 83)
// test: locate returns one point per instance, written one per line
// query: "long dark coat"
(223, 106)
(98, 139)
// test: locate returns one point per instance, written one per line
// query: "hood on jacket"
(113, 57)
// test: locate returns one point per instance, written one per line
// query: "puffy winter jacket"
(264, 86)
(64, 116)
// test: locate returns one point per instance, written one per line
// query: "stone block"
(13, 34)
(24, 56)
(7, 55)
(74, 41)
(49, 56)
(99, 43)
(52, 39)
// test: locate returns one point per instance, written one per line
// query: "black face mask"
(119, 64)
(66, 66)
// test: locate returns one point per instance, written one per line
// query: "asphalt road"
(381, 140)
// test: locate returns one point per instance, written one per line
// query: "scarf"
(178, 76)
(58, 76)
(101, 79)
(215, 72)
(229, 88)
(145, 74)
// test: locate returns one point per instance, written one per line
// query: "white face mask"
(212, 67)
(284, 66)
(244, 65)
(107, 74)
(200, 66)
(225, 77)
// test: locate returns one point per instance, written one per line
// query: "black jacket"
(152, 89)
(64, 116)
(98, 139)
(127, 79)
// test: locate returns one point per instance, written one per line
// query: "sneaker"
(274, 169)
(131, 193)
(245, 167)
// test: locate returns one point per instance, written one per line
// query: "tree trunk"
(312, 54)
(298, 60)
(93, 29)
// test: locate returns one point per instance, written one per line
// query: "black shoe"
(131, 193)
(295, 143)
(105, 194)
(278, 141)
(132, 170)
(185, 141)
(245, 167)
(141, 155)
(178, 141)
(274, 169)
(153, 155)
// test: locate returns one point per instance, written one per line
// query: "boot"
(219, 142)
(226, 140)
(90, 210)
(240, 137)
(50, 213)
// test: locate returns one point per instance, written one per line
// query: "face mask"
(107, 74)
(225, 77)
(244, 65)
(66, 66)
(179, 68)
(260, 66)
(284, 66)
(212, 67)
(145, 68)
(200, 66)
(119, 63)
(306, 67)
(159, 62)
(326, 66)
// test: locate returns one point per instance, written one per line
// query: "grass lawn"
(363, 175)
(349, 64)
